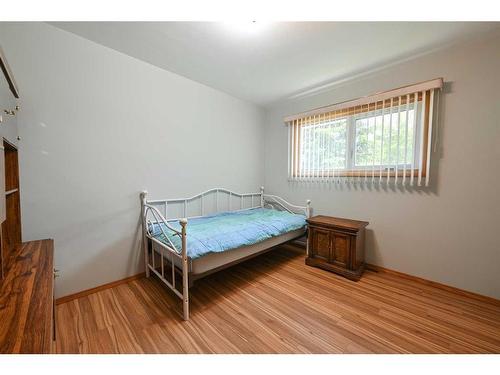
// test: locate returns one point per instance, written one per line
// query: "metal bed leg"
(144, 229)
(146, 257)
(185, 272)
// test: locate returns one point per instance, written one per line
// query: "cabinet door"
(340, 249)
(320, 243)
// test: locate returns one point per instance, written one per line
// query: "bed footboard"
(168, 253)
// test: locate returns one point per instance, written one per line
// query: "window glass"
(378, 141)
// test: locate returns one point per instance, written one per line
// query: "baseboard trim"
(466, 293)
(99, 288)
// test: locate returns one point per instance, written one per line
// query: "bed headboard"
(220, 200)
(208, 202)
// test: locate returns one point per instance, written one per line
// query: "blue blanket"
(231, 230)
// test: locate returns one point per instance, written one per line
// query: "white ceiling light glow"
(245, 27)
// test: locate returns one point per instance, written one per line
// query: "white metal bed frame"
(151, 214)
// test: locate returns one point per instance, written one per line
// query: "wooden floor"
(276, 304)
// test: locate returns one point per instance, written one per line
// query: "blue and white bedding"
(231, 230)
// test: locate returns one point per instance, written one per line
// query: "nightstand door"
(320, 243)
(340, 245)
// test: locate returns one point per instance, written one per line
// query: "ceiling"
(266, 62)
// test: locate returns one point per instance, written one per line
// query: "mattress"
(231, 230)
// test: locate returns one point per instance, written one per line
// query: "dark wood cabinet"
(10, 225)
(336, 245)
(10, 217)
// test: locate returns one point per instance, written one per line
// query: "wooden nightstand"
(337, 245)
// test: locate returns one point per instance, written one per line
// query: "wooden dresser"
(27, 300)
(337, 245)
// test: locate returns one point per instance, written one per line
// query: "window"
(384, 140)
(385, 136)
(323, 146)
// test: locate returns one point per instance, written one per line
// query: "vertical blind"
(381, 138)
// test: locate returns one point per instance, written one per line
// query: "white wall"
(97, 127)
(450, 232)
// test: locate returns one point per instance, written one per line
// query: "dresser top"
(337, 222)
(26, 300)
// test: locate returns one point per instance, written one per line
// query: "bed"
(185, 239)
